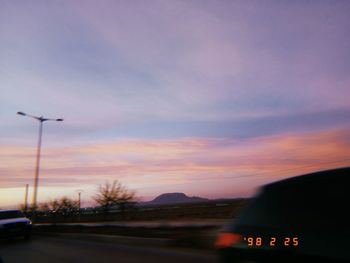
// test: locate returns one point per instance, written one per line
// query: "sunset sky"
(209, 98)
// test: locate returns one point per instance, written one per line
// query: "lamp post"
(79, 191)
(37, 166)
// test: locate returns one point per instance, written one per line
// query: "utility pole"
(26, 199)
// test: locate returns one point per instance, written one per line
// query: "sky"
(209, 98)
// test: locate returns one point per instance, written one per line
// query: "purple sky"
(187, 96)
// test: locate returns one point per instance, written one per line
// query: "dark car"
(304, 218)
(13, 223)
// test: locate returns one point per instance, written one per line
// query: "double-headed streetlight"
(37, 166)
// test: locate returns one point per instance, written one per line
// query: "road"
(58, 249)
(152, 224)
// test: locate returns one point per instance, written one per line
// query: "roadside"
(198, 212)
(154, 223)
(177, 234)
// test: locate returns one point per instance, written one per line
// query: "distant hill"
(175, 198)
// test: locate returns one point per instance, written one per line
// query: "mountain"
(175, 198)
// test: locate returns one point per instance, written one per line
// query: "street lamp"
(37, 166)
(79, 191)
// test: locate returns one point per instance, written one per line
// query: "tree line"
(110, 194)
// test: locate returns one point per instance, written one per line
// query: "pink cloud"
(208, 167)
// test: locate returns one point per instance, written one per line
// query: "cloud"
(191, 164)
(162, 90)
(113, 65)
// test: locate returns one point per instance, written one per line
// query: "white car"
(13, 223)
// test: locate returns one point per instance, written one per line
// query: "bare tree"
(63, 206)
(54, 205)
(28, 210)
(67, 206)
(45, 207)
(111, 194)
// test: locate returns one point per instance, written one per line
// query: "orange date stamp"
(272, 241)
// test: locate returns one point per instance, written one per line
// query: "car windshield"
(10, 214)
